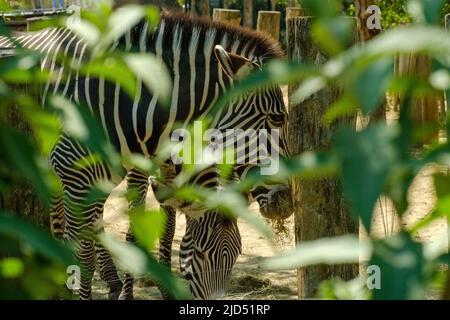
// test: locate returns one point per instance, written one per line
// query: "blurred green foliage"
(374, 161)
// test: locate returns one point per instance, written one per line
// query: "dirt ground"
(248, 280)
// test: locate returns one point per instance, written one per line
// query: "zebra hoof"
(115, 290)
(126, 296)
(165, 296)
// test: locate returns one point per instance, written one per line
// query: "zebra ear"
(235, 66)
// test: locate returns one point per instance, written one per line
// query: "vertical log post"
(21, 198)
(273, 5)
(292, 12)
(193, 8)
(269, 23)
(320, 210)
(227, 15)
(204, 8)
(424, 110)
(248, 14)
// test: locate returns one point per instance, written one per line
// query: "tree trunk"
(366, 34)
(21, 199)
(424, 110)
(269, 23)
(320, 210)
(248, 14)
(227, 15)
(193, 7)
(204, 8)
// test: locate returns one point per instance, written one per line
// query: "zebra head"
(262, 118)
(208, 252)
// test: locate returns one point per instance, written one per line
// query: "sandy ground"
(248, 280)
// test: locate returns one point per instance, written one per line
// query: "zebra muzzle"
(279, 204)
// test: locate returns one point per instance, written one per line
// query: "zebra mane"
(240, 40)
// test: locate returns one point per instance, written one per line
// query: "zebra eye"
(278, 117)
(200, 254)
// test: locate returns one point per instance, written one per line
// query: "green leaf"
(334, 35)
(45, 125)
(11, 267)
(344, 106)
(36, 238)
(228, 202)
(121, 20)
(442, 208)
(21, 157)
(147, 226)
(112, 68)
(367, 157)
(401, 263)
(86, 31)
(441, 185)
(338, 250)
(337, 289)
(153, 73)
(427, 11)
(371, 84)
(322, 9)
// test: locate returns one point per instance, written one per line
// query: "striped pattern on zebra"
(204, 59)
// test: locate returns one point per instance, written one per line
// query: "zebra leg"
(57, 218)
(108, 271)
(165, 242)
(86, 255)
(137, 186)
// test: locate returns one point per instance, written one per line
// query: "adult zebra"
(204, 59)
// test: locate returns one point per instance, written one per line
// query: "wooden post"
(292, 12)
(320, 210)
(272, 5)
(425, 110)
(193, 7)
(204, 8)
(269, 23)
(291, 3)
(248, 14)
(227, 15)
